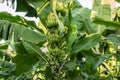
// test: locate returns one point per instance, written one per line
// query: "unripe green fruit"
(53, 38)
(65, 30)
(61, 8)
(51, 21)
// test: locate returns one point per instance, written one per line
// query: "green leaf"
(31, 7)
(86, 43)
(24, 62)
(106, 23)
(6, 30)
(30, 35)
(103, 10)
(21, 6)
(31, 11)
(11, 30)
(5, 26)
(18, 48)
(34, 49)
(26, 55)
(26, 6)
(90, 61)
(101, 60)
(71, 65)
(44, 14)
(72, 36)
(90, 53)
(8, 17)
(81, 12)
(81, 17)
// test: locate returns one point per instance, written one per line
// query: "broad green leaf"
(90, 61)
(44, 14)
(23, 57)
(87, 42)
(31, 7)
(101, 60)
(1, 27)
(106, 12)
(26, 6)
(31, 11)
(24, 62)
(96, 5)
(34, 49)
(81, 12)
(106, 23)
(81, 17)
(8, 17)
(4, 26)
(21, 6)
(6, 29)
(16, 31)
(30, 35)
(103, 10)
(19, 48)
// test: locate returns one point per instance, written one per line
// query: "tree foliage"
(66, 44)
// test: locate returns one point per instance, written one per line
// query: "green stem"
(69, 10)
(55, 14)
(43, 6)
(58, 76)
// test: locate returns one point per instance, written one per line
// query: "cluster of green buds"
(61, 8)
(56, 43)
(51, 21)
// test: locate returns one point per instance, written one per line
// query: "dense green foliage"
(67, 44)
